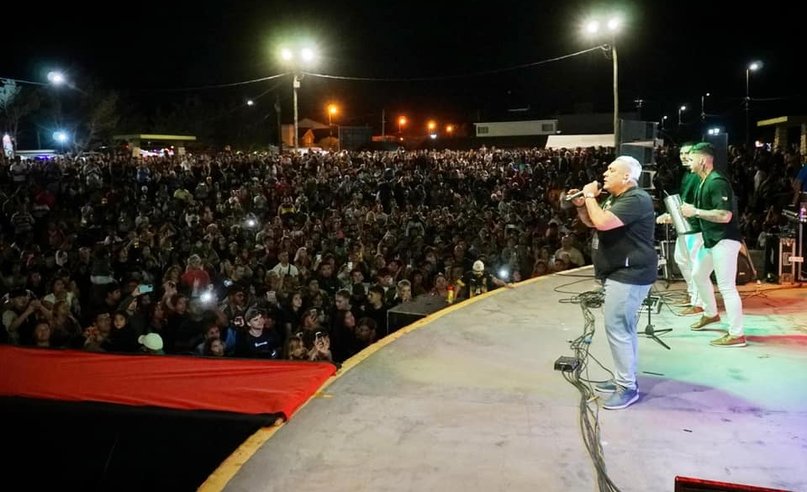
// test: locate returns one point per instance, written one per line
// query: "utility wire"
(454, 76)
(223, 86)
(3, 79)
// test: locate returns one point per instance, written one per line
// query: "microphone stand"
(649, 330)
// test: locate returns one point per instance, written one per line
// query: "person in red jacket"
(195, 279)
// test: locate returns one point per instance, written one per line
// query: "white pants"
(722, 259)
(687, 248)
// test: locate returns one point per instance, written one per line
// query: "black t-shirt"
(715, 194)
(627, 254)
(265, 346)
(477, 284)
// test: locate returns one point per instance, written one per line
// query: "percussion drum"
(673, 204)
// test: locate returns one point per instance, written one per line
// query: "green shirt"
(715, 193)
(689, 188)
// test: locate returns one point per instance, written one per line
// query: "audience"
(296, 256)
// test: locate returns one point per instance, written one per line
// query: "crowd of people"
(295, 256)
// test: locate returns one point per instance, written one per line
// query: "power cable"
(589, 411)
(223, 86)
(454, 76)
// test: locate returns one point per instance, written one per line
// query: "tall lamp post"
(612, 26)
(752, 67)
(297, 60)
(332, 110)
(680, 111)
(401, 124)
(703, 106)
(55, 78)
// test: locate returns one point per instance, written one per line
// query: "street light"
(450, 129)
(594, 27)
(431, 126)
(56, 78)
(752, 67)
(297, 59)
(332, 110)
(663, 119)
(703, 106)
(61, 137)
(681, 110)
(401, 123)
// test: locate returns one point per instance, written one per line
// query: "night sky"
(670, 53)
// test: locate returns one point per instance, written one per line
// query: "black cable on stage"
(589, 410)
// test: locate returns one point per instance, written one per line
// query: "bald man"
(624, 254)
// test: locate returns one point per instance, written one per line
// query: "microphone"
(579, 194)
(574, 195)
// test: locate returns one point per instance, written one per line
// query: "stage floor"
(469, 400)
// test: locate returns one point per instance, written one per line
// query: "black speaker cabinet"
(408, 312)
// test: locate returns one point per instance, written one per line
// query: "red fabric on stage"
(244, 386)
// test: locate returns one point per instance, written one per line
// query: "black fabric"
(117, 447)
(627, 254)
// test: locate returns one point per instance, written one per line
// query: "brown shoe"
(691, 310)
(729, 341)
(705, 320)
(685, 302)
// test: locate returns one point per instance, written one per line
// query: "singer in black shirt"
(625, 258)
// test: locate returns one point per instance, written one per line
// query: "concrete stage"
(468, 400)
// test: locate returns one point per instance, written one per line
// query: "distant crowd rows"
(294, 256)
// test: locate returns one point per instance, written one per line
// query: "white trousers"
(687, 248)
(722, 259)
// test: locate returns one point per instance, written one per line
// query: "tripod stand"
(649, 329)
(666, 256)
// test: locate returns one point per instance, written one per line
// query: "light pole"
(703, 106)
(297, 60)
(431, 125)
(663, 119)
(681, 110)
(332, 110)
(752, 67)
(612, 26)
(401, 124)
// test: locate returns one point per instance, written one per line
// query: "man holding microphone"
(624, 255)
